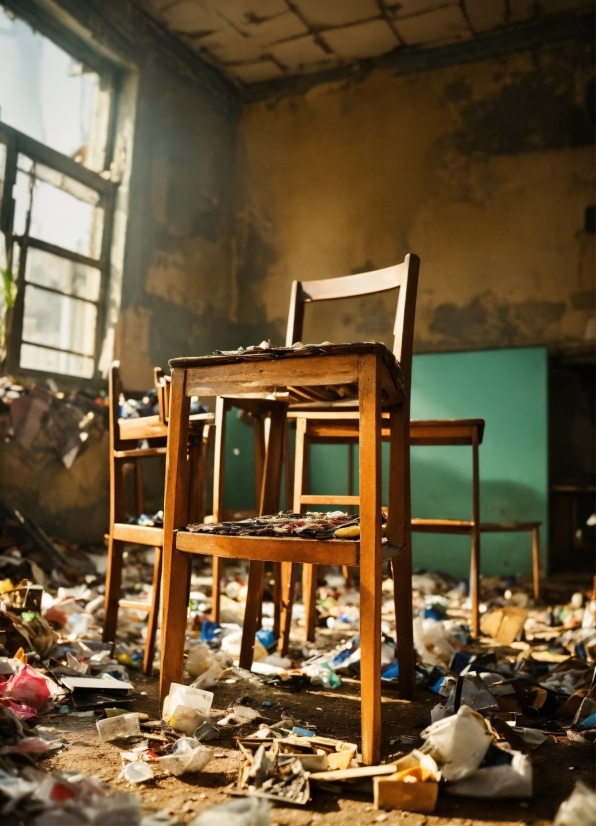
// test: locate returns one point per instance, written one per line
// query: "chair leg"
(268, 503)
(399, 534)
(309, 598)
(309, 573)
(216, 588)
(113, 588)
(221, 408)
(288, 471)
(288, 581)
(258, 424)
(370, 558)
(138, 480)
(251, 613)
(176, 565)
(475, 583)
(475, 560)
(115, 547)
(277, 598)
(536, 562)
(152, 620)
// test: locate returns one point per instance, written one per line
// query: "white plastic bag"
(513, 780)
(246, 811)
(579, 809)
(458, 743)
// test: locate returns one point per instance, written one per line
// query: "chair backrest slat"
(400, 276)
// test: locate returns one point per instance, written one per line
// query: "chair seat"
(463, 526)
(337, 391)
(340, 421)
(277, 549)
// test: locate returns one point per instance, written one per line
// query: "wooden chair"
(124, 453)
(379, 383)
(267, 458)
(341, 426)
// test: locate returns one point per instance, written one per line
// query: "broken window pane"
(52, 361)
(44, 92)
(59, 321)
(69, 277)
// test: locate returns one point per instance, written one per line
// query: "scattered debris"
(498, 699)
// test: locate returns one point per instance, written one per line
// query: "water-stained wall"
(177, 282)
(484, 169)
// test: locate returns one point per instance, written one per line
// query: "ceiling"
(253, 41)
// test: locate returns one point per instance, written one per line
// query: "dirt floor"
(558, 764)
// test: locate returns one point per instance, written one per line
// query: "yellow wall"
(483, 169)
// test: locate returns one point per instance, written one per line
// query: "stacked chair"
(380, 380)
(130, 441)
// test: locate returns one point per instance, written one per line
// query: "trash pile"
(50, 420)
(527, 680)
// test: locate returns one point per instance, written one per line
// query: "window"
(56, 204)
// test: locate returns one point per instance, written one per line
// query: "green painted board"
(506, 387)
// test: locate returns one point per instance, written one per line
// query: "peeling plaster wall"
(177, 284)
(484, 169)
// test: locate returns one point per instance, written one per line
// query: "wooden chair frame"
(268, 496)
(124, 452)
(341, 427)
(378, 387)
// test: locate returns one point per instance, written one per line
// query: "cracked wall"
(485, 170)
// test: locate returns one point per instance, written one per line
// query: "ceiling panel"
(243, 14)
(265, 69)
(323, 13)
(440, 25)
(274, 29)
(226, 42)
(363, 40)
(257, 40)
(300, 53)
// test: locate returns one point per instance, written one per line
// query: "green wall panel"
(508, 388)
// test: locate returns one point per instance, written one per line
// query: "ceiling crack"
(387, 18)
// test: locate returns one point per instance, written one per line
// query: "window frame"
(17, 143)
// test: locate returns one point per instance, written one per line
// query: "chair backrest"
(401, 276)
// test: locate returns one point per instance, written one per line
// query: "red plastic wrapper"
(22, 711)
(27, 687)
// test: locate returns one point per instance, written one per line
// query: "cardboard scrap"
(504, 624)
(414, 787)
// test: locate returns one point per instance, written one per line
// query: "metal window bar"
(17, 144)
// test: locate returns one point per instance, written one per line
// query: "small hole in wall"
(590, 219)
